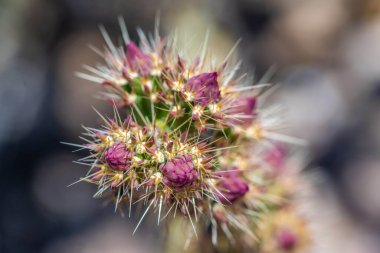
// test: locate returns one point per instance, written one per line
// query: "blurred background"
(326, 56)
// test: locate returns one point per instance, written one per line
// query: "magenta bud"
(170, 146)
(138, 61)
(205, 88)
(118, 156)
(286, 239)
(166, 136)
(231, 187)
(276, 157)
(180, 172)
(195, 116)
(244, 107)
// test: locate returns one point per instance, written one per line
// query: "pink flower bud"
(180, 172)
(138, 61)
(286, 239)
(118, 157)
(231, 187)
(240, 109)
(276, 157)
(205, 88)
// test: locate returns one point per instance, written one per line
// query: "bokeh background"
(325, 54)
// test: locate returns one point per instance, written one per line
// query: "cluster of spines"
(184, 115)
(166, 167)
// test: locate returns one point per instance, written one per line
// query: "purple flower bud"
(240, 109)
(204, 87)
(286, 239)
(180, 172)
(138, 61)
(231, 187)
(276, 157)
(118, 157)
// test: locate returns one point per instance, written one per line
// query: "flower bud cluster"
(285, 231)
(155, 164)
(156, 75)
(196, 140)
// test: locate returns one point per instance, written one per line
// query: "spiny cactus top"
(196, 139)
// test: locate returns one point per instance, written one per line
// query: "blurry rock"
(334, 229)
(314, 106)
(110, 235)
(137, 13)
(192, 25)
(9, 43)
(362, 52)
(22, 92)
(375, 126)
(75, 96)
(306, 30)
(361, 178)
(52, 194)
(366, 9)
